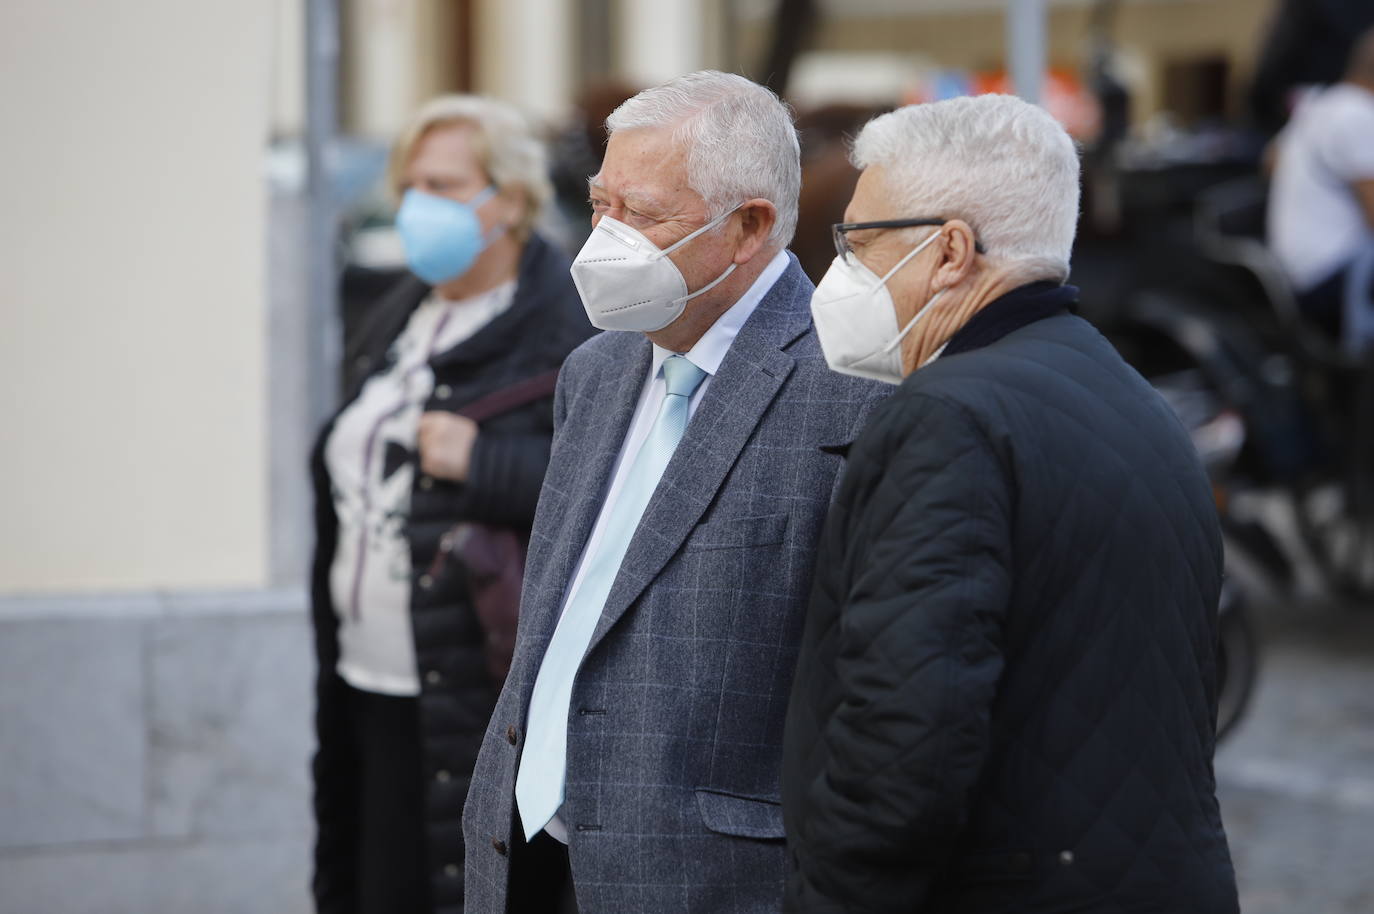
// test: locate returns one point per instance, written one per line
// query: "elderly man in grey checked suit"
(633, 760)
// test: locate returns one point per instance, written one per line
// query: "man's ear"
(757, 218)
(956, 254)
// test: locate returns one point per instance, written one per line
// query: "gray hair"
(739, 138)
(1002, 165)
(504, 140)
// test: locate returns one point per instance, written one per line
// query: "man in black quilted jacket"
(1006, 695)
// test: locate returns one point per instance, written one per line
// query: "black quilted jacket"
(1006, 695)
(543, 324)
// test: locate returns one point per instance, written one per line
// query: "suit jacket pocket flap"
(737, 532)
(743, 817)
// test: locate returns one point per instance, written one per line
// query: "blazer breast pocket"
(739, 532)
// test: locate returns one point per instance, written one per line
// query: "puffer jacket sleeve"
(505, 474)
(920, 654)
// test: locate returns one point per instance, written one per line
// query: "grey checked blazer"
(675, 728)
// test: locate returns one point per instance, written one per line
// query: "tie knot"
(681, 376)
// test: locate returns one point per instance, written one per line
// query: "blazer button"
(426, 483)
(426, 582)
(433, 677)
(1066, 858)
(443, 777)
(499, 845)
(443, 391)
(451, 870)
(511, 736)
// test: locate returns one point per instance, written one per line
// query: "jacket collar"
(533, 290)
(540, 268)
(1018, 308)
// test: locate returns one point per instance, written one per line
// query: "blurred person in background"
(1006, 693)
(1321, 202)
(1307, 44)
(577, 150)
(403, 483)
(828, 180)
(632, 762)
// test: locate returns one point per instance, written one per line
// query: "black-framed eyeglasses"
(840, 232)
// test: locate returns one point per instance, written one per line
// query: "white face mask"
(628, 283)
(857, 322)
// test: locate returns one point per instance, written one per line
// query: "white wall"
(287, 67)
(131, 293)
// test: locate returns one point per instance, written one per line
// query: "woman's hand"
(445, 445)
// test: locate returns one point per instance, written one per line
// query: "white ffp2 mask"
(856, 321)
(628, 283)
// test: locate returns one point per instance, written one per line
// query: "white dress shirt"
(707, 355)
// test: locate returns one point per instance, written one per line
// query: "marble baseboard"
(155, 760)
(205, 877)
(73, 720)
(229, 726)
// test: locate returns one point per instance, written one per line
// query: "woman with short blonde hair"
(502, 141)
(441, 444)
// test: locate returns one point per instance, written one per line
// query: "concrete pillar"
(380, 68)
(525, 55)
(660, 39)
(1026, 41)
(288, 68)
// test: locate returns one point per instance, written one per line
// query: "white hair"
(1002, 165)
(739, 138)
(504, 140)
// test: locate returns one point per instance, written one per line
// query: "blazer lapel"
(749, 378)
(589, 450)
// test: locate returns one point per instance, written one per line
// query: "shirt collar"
(710, 350)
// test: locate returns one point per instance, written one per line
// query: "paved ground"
(1296, 778)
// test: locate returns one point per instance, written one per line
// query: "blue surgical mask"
(442, 237)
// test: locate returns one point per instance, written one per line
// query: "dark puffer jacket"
(1006, 695)
(543, 324)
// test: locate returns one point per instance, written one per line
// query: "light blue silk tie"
(543, 764)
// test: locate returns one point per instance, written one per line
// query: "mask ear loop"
(926, 307)
(903, 262)
(912, 323)
(664, 252)
(484, 197)
(710, 285)
(935, 355)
